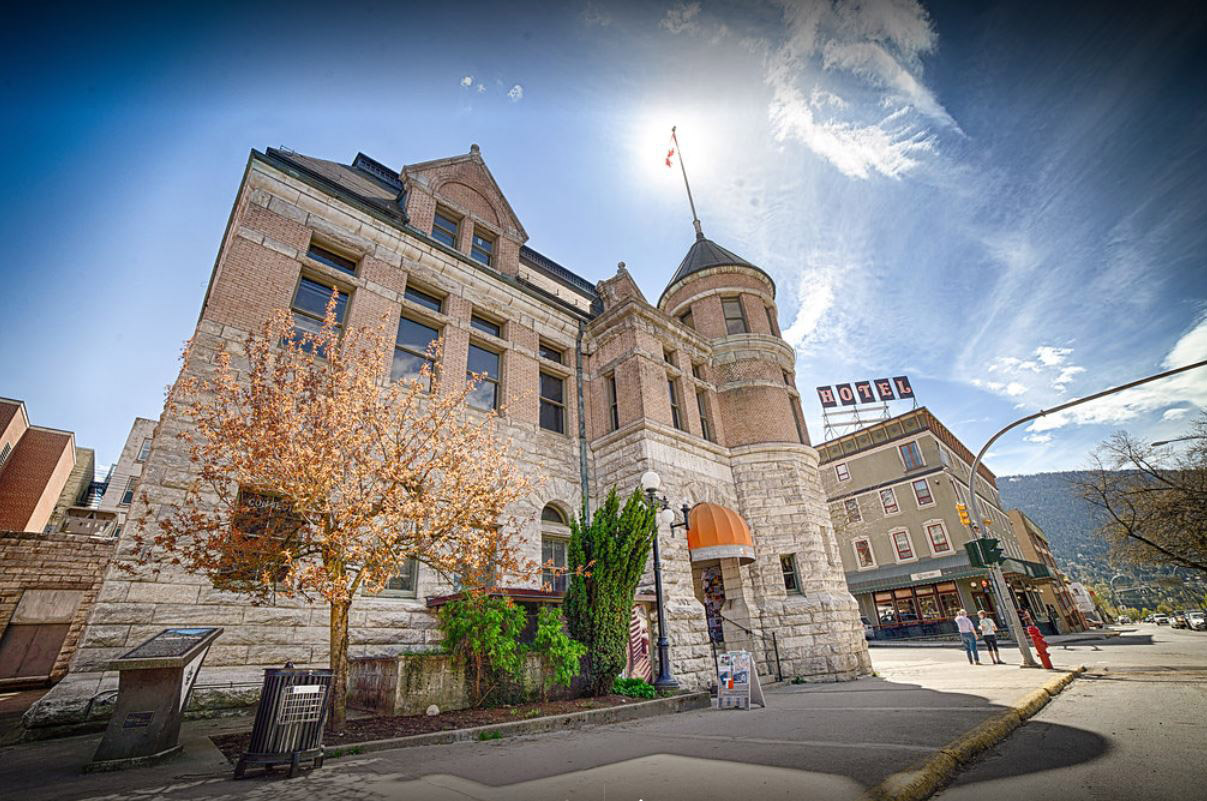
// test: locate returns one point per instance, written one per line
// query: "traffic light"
(991, 551)
(975, 557)
(963, 510)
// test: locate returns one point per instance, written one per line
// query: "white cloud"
(1052, 357)
(1014, 389)
(1041, 439)
(516, 93)
(1048, 371)
(815, 294)
(1128, 406)
(1175, 414)
(467, 81)
(481, 88)
(681, 18)
(822, 98)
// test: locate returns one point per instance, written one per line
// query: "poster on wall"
(738, 681)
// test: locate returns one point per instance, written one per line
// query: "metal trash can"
(289, 720)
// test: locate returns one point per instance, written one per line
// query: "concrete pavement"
(827, 741)
(1145, 698)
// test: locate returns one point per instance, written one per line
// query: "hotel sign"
(859, 392)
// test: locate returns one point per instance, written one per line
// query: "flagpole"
(683, 168)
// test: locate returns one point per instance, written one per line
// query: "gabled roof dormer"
(465, 185)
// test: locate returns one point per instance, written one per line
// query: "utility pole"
(999, 580)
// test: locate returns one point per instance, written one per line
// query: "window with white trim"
(842, 471)
(936, 534)
(922, 493)
(853, 513)
(445, 228)
(403, 584)
(864, 557)
(902, 544)
(911, 455)
(144, 450)
(888, 499)
(555, 541)
(128, 494)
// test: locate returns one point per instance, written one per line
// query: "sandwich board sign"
(738, 681)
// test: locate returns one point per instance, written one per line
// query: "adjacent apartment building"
(599, 384)
(893, 489)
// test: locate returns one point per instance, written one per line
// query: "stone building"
(893, 488)
(598, 384)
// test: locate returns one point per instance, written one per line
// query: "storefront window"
(907, 611)
(928, 606)
(885, 612)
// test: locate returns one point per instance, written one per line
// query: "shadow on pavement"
(821, 740)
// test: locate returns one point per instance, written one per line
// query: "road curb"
(570, 720)
(922, 780)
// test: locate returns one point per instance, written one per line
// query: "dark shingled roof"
(705, 253)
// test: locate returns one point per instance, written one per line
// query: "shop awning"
(914, 574)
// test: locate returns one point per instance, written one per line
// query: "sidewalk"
(954, 642)
(823, 741)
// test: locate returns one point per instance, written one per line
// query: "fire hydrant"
(1041, 645)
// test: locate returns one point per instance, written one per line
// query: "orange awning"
(718, 532)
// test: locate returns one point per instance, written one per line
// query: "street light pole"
(650, 482)
(999, 580)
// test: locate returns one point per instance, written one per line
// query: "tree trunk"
(339, 666)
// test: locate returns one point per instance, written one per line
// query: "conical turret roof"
(703, 254)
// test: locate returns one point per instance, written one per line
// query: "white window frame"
(892, 539)
(941, 523)
(896, 501)
(144, 450)
(929, 491)
(858, 511)
(838, 473)
(412, 594)
(871, 551)
(922, 459)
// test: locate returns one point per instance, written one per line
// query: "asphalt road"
(1145, 696)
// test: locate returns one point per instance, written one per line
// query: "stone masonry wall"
(31, 561)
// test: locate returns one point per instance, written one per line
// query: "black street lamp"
(650, 482)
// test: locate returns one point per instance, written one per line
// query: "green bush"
(561, 656)
(484, 633)
(634, 688)
(605, 559)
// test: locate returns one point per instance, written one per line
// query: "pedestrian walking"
(989, 635)
(968, 635)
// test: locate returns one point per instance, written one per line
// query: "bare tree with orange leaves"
(319, 477)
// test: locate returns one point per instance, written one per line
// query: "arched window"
(555, 537)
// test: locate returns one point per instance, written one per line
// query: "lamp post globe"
(650, 481)
(666, 516)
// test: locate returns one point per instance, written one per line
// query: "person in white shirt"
(968, 636)
(989, 635)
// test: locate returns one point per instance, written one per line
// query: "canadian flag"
(670, 153)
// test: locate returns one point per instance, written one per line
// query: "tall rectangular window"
(904, 548)
(863, 553)
(445, 228)
(327, 257)
(613, 403)
(788, 568)
(553, 558)
(686, 319)
(486, 394)
(144, 450)
(4, 454)
(938, 537)
(705, 420)
(553, 403)
(310, 308)
(771, 320)
(551, 353)
(411, 350)
(922, 492)
(911, 456)
(796, 418)
(424, 299)
(853, 513)
(676, 412)
(128, 494)
(888, 499)
(482, 249)
(735, 317)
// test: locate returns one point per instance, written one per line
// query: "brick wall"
(30, 561)
(33, 478)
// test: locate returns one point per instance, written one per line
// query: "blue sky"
(1004, 201)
